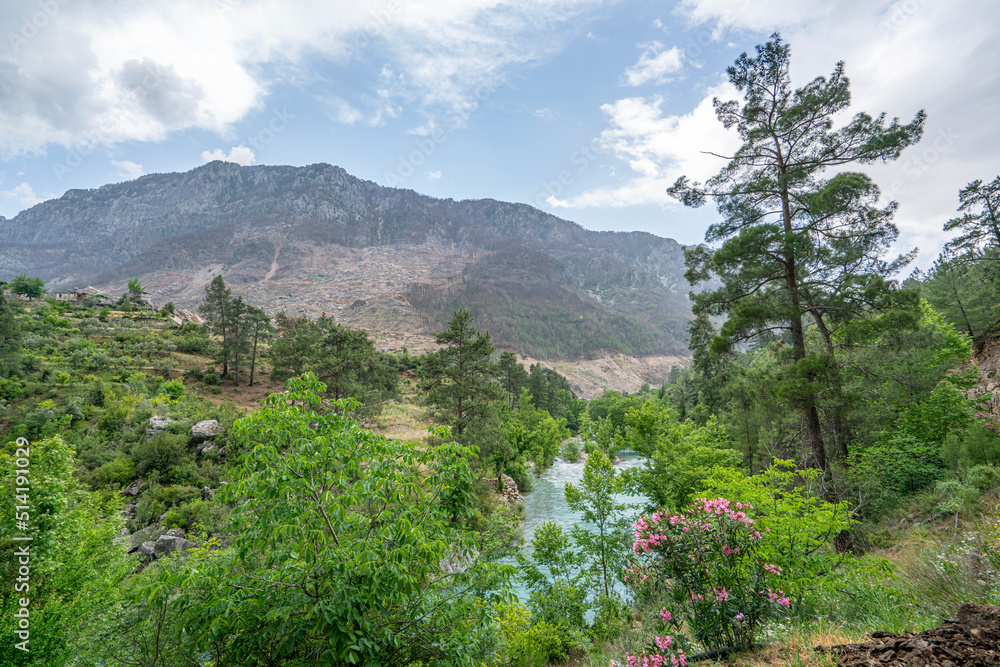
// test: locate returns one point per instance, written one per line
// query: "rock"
(204, 430)
(207, 493)
(971, 638)
(121, 540)
(133, 489)
(157, 425)
(166, 544)
(175, 532)
(205, 448)
(147, 550)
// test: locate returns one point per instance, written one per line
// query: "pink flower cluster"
(778, 597)
(773, 569)
(665, 615)
(677, 659)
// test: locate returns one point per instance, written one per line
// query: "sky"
(587, 109)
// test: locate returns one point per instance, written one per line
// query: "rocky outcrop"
(204, 431)
(157, 425)
(971, 639)
(509, 493)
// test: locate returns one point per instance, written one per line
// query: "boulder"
(147, 550)
(133, 489)
(207, 493)
(157, 425)
(175, 532)
(166, 544)
(204, 431)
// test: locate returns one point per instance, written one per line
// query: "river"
(547, 501)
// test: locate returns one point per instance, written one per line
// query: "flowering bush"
(705, 562)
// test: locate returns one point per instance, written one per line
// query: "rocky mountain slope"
(316, 239)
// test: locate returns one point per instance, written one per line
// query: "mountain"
(316, 239)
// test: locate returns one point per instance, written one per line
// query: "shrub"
(571, 450)
(161, 452)
(706, 565)
(116, 472)
(983, 477)
(521, 475)
(174, 389)
(211, 379)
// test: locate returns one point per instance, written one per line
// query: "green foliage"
(75, 567)
(32, 288)
(554, 574)
(173, 389)
(683, 459)
(983, 477)
(980, 226)
(323, 577)
(160, 453)
(788, 507)
(461, 377)
(603, 545)
(114, 473)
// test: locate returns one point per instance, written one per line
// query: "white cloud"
(433, 175)
(239, 154)
(655, 64)
(658, 148)
(128, 168)
(544, 113)
(140, 71)
(25, 195)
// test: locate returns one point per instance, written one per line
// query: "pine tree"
(216, 309)
(778, 241)
(979, 227)
(461, 376)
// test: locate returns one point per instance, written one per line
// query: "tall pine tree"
(775, 237)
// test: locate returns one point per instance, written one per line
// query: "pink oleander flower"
(721, 595)
(665, 615)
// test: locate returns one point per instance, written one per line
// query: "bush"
(114, 473)
(708, 562)
(174, 389)
(161, 453)
(211, 379)
(521, 475)
(983, 477)
(571, 450)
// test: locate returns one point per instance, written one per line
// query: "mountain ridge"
(316, 239)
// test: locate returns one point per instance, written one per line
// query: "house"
(74, 296)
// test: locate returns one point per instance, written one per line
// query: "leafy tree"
(461, 376)
(682, 456)
(259, 328)
(980, 226)
(75, 567)
(783, 224)
(348, 363)
(595, 499)
(554, 574)
(295, 346)
(338, 541)
(135, 289)
(31, 288)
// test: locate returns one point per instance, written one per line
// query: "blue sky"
(585, 108)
